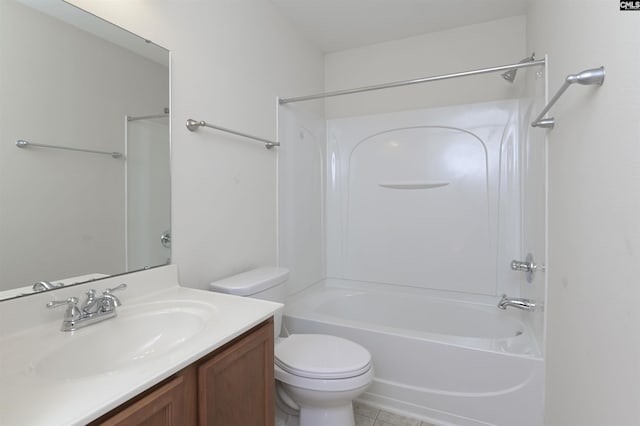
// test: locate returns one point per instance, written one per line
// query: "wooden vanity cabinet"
(232, 386)
(236, 384)
(163, 405)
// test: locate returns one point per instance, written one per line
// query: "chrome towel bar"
(587, 77)
(193, 125)
(23, 144)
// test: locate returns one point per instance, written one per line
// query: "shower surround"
(422, 213)
(429, 194)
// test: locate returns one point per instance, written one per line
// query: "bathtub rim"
(293, 301)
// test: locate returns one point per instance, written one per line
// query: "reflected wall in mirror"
(70, 79)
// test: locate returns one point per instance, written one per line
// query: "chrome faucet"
(93, 310)
(524, 304)
(45, 285)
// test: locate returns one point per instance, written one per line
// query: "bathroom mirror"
(86, 194)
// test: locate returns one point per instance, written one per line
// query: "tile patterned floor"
(371, 416)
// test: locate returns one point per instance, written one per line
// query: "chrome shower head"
(510, 75)
(588, 77)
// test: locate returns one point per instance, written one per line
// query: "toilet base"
(322, 408)
(318, 416)
(335, 416)
(284, 419)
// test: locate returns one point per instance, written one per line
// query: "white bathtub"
(442, 357)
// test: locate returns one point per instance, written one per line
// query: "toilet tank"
(266, 283)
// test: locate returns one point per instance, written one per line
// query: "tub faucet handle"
(518, 265)
(527, 266)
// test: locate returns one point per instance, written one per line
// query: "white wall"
(476, 46)
(229, 62)
(62, 211)
(593, 352)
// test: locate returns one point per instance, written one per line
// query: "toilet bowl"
(322, 375)
(317, 375)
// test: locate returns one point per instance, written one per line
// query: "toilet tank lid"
(251, 282)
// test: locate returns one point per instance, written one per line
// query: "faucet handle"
(111, 290)
(110, 301)
(72, 313)
(527, 266)
(58, 303)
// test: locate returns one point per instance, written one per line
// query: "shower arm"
(548, 123)
(587, 77)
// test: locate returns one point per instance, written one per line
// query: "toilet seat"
(322, 362)
(324, 385)
(320, 356)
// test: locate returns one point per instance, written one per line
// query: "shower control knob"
(527, 266)
(518, 265)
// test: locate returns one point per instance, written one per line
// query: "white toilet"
(317, 375)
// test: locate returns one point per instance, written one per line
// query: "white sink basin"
(138, 334)
(75, 377)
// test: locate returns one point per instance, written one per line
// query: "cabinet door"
(235, 386)
(165, 406)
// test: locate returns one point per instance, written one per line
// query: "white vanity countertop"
(37, 388)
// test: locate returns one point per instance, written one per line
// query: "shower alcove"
(399, 229)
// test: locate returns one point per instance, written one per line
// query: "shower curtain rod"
(23, 144)
(283, 101)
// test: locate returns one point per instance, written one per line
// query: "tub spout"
(524, 304)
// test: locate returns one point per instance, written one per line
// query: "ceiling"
(334, 25)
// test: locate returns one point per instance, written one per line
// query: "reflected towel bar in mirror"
(23, 144)
(412, 185)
